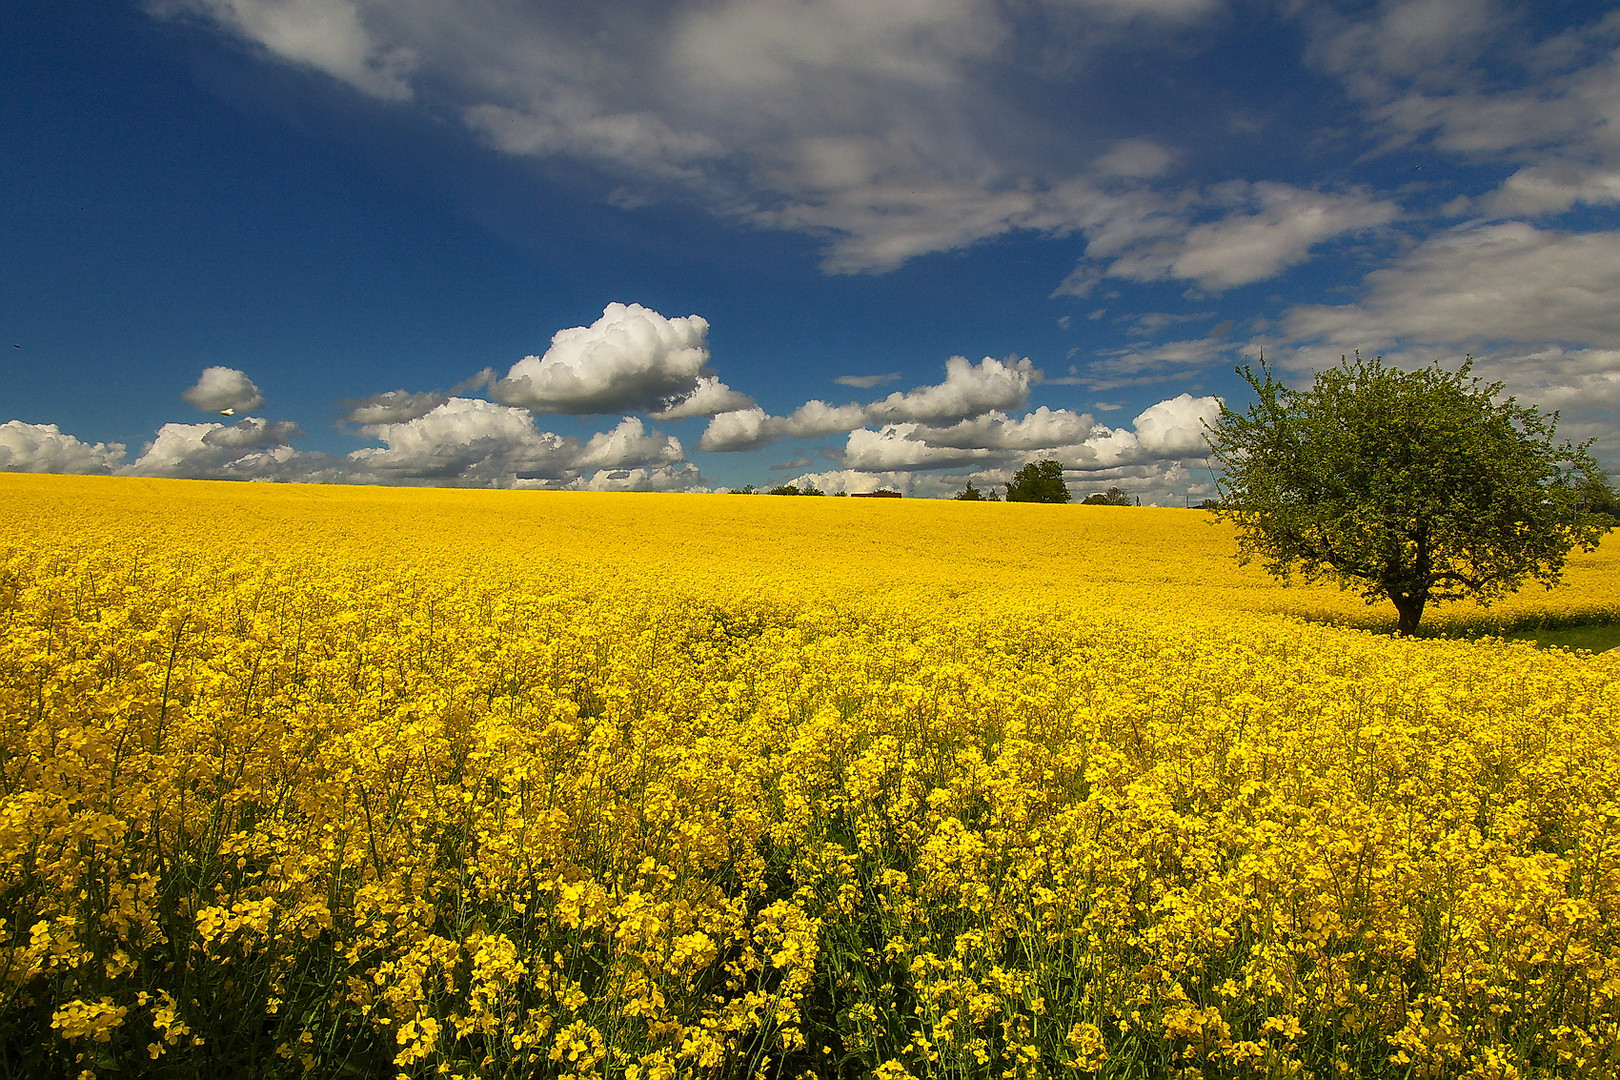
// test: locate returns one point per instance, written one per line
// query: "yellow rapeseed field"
(377, 782)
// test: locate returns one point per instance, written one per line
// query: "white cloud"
(327, 35)
(250, 432)
(887, 130)
(1505, 282)
(750, 429)
(857, 482)
(223, 390)
(1578, 381)
(711, 396)
(1467, 78)
(1167, 431)
(632, 358)
(465, 440)
(867, 382)
(968, 390)
(392, 407)
(1041, 428)
(892, 449)
(682, 477)
(1175, 428)
(776, 47)
(1274, 226)
(45, 448)
(815, 418)
(1552, 188)
(574, 124)
(741, 429)
(1398, 40)
(1143, 365)
(249, 448)
(629, 444)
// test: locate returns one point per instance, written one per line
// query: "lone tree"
(1415, 486)
(1112, 497)
(1038, 481)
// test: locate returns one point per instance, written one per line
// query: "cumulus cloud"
(223, 390)
(629, 444)
(675, 477)
(709, 397)
(1043, 427)
(45, 448)
(858, 482)
(1175, 428)
(249, 448)
(892, 448)
(250, 433)
(968, 390)
(741, 429)
(391, 407)
(632, 358)
(1167, 431)
(752, 428)
(465, 440)
(815, 418)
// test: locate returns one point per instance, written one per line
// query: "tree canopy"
(1112, 497)
(973, 494)
(1412, 486)
(1038, 481)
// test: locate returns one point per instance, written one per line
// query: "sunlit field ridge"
(376, 782)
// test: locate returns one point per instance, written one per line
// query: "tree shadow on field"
(1592, 628)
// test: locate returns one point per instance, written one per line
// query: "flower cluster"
(292, 779)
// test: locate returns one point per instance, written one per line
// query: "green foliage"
(1413, 486)
(1038, 481)
(1595, 637)
(789, 489)
(1597, 495)
(973, 494)
(1112, 497)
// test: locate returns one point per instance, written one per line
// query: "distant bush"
(973, 494)
(1112, 497)
(789, 489)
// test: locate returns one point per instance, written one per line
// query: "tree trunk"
(1410, 608)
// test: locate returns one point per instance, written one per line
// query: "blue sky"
(695, 245)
